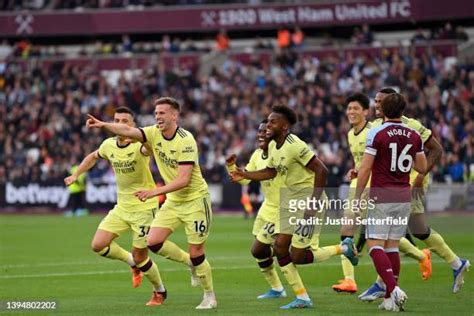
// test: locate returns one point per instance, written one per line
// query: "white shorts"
(387, 221)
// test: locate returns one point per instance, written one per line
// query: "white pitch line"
(78, 263)
(47, 264)
(242, 267)
(43, 275)
(91, 262)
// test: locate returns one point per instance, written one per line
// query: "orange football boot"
(157, 299)
(137, 277)
(425, 265)
(346, 285)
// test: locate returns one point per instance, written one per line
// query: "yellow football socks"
(114, 251)
(270, 274)
(324, 253)
(410, 250)
(347, 268)
(294, 280)
(150, 270)
(203, 272)
(436, 243)
(171, 251)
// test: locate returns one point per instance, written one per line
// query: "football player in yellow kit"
(304, 177)
(131, 164)
(264, 225)
(188, 201)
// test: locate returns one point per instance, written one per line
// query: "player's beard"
(272, 137)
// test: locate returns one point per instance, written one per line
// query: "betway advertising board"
(53, 195)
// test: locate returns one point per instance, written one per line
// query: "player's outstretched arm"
(321, 175)
(364, 174)
(420, 163)
(259, 175)
(230, 167)
(86, 164)
(182, 180)
(115, 128)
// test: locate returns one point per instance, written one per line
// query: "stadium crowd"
(285, 38)
(43, 111)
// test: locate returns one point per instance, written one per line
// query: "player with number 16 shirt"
(392, 150)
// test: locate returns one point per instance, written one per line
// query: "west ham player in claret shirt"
(392, 150)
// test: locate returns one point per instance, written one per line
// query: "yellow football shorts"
(417, 206)
(305, 233)
(196, 215)
(119, 221)
(265, 231)
(265, 214)
(303, 236)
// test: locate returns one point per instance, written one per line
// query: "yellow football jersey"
(169, 153)
(270, 188)
(357, 147)
(132, 173)
(357, 143)
(425, 134)
(290, 162)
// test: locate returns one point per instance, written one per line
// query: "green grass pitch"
(49, 258)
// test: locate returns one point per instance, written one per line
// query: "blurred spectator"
(5, 50)
(419, 37)
(284, 38)
(222, 41)
(362, 37)
(447, 32)
(23, 49)
(175, 45)
(189, 46)
(262, 44)
(367, 35)
(127, 46)
(327, 40)
(166, 43)
(461, 34)
(297, 38)
(357, 37)
(456, 169)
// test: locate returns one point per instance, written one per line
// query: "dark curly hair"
(287, 112)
